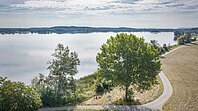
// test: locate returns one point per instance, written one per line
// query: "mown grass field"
(181, 67)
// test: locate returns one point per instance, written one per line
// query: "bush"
(181, 40)
(187, 37)
(193, 39)
(165, 48)
(16, 96)
(103, 86)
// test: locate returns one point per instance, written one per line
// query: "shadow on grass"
(63, 108)
(129, 102)
(128, 108)
(102, 108)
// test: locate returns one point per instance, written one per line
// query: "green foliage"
(193, 38)
(187, 36)
(166, 48)
(59, 87)
(178, 33)
(103, 87)
(185, 39)
(157, 46)
(181, 40)
(16, 96)
(128, 60)
(86, 87)
(91, 85)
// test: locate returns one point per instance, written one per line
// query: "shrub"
(165, 48)
(181, 40)
(103, 87)
(187, 37)
(16, 96)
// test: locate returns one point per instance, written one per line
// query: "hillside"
(180, 67)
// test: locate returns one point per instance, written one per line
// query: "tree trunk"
(126, 85)
(126, 92)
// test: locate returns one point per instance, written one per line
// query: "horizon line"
(95, 27)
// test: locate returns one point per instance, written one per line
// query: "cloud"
(39, 4)
(126, 1)
(101, 7)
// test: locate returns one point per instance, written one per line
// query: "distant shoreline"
(82, 30)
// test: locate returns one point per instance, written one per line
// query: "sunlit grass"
(180, 67)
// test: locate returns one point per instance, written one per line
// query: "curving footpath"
(160, 101)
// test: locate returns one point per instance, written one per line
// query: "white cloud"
(100, 7)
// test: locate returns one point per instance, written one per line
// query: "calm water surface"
(24, 56)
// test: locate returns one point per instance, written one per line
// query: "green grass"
(86, 87)
(196, 36)
(86, 90)
(180, 67)
(174, 46)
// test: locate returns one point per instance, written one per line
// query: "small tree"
(165, 48)
(128, 60)
(187, 37)
(59, 86)
(181, 40)
(16, 96)
(157, 46)
(178, 33)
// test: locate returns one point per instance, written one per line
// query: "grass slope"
(86, 93)
(181, 67)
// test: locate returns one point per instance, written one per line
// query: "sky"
(99, 13)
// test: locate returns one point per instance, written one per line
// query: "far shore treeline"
(82, 29)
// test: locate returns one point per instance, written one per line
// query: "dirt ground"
(117, 94)
(181, 68)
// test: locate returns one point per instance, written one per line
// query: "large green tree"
(16, 96)
(59, 86)
(127, 60)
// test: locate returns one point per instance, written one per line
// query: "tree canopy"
(127, 60)
(16, 96)
(58, 88)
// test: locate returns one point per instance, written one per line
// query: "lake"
(24, 56)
